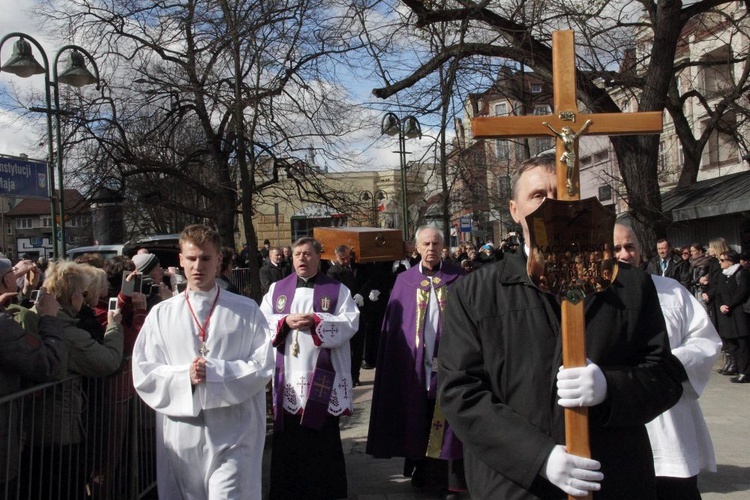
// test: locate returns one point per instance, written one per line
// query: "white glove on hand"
(582, 386)
(359, 300)
(573, 474)
(374, 295)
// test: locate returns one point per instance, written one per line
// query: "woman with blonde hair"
(60, 420)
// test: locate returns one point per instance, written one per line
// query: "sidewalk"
(726, 407)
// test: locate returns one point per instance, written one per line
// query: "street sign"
(23, 178)
(465, 223)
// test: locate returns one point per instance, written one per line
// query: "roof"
(710, 198)
(74, 203)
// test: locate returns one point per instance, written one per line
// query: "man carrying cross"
(503, 392)
(311, 318)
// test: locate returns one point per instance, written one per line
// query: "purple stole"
(325, 299)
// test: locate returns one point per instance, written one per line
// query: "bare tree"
(209, 102)
(521, 31)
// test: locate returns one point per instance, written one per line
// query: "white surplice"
(679, 437)
(209, 437)
(334, 330)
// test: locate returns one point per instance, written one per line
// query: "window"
(625, 105)
(502, 149)
(601, 157)
(605, 193)
(542, 109)
(720, 148)
(501, 109)
(662, 155)
(9, 228)
(541, 144)
(46, 221)
(24, 223)
(78, 221)
(536, 88)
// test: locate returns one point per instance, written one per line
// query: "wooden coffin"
(370, 244)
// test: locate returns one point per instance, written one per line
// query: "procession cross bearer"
(502, 384)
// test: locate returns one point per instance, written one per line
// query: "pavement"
(726, 407)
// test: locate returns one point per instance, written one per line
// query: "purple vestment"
(399, 421)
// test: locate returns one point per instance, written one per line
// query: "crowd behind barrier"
(99, 447)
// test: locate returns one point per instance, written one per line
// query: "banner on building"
(23, 178)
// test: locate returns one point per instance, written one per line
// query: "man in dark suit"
(666, 263)
(274, 271)
(354, 278)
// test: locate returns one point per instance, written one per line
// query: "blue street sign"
(23, 178)
(465, 224)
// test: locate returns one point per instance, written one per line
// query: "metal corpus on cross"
(567, 124)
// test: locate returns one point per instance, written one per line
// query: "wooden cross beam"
(566, 115)
(567, 125)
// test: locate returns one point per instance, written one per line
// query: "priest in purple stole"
(406, 420)
(311, 317)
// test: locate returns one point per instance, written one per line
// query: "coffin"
(370, 244)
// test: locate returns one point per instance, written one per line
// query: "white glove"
(359, 300)
(573, 474)
(374, 295)
(582, 386)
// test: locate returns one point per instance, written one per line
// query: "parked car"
(164, 246)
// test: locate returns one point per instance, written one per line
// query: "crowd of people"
(469, 385)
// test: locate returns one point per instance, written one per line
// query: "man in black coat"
(274, 271)
(667, 263)
(356, 279)
(503, 392)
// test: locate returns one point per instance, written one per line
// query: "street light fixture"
(376, 197)
(406, 128)
(23, 63)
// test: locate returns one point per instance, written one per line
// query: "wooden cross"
(567, 124)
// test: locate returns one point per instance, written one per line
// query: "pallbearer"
(202, 361)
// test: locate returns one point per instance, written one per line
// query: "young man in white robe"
(202, 361)
(311, 317)
(679, 437)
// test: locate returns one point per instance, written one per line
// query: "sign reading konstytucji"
(23, 178)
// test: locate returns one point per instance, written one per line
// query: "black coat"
(677, 269)
(733, 291)
(271, 274)
(499, 355)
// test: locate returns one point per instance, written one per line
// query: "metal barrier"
(78, 438)
(241, 280)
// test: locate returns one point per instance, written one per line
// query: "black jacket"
(271, 274)
(499, 355)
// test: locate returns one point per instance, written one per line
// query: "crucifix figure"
(561, 125)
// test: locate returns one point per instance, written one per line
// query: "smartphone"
(133, 285)
(34, 296)
(112, 304)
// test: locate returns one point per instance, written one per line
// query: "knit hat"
(145, 262)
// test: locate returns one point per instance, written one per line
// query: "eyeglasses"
(723, 260)
(685, 253)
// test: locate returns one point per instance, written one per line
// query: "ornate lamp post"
(375, 197)
(22, 63)
(407, 127)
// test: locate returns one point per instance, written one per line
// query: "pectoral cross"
(203, 349)
(567, 125)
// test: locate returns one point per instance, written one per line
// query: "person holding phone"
(202, 360)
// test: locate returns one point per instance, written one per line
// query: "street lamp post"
(407, 127)
(375, 198)
(22, 63)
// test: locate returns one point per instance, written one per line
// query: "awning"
(724, 195)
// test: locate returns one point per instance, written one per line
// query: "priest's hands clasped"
(300, 321)
(582, 386)
(573, 474)
(198, 371)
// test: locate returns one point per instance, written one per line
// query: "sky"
(21, 137)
